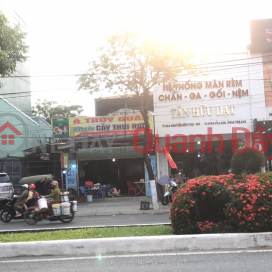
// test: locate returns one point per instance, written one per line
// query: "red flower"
(203, 193)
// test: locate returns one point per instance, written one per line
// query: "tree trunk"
(144, 112)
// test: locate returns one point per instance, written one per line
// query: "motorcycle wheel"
(165, 200)
(67, 218)
(31, 218)
(5, 216)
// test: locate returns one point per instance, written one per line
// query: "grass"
(86, 233)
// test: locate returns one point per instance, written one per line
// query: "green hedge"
(225, 203)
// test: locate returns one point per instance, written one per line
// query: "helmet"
(32, 187)
(54, 183)
(25, 185)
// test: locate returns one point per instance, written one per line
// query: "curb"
(123, 213)
(168, 243)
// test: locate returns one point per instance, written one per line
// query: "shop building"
(19, 132)
(103, 148)
(207, 107)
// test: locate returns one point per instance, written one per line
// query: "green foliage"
(134, 65)
(48, 110)
(86, 233)
(223, 203)
(248, 162)
(131, 64)
(12, 47)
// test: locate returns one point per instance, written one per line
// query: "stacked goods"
(42, 202)
(74, 205)
(64, 197)
(56, 209)
(65, 208)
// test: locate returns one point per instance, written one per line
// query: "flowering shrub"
(250, 208)
(223, 203)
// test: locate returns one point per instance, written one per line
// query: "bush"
(250, 206)
(246, 163)
(223, 204)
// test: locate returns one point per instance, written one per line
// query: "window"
(4, 178)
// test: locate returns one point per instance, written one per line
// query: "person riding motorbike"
(56, 198)
(32, 196)
(19, 205)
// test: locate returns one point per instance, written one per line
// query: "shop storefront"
(115, 167)
(198, 117)
(106, 155)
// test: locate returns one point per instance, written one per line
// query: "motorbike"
(167, 198)
(32, 216)
(8, 213)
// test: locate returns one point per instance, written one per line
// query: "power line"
(82, 74)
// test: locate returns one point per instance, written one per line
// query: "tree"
(47, 110)
(130, 64)
(248, 162)
(12, 47)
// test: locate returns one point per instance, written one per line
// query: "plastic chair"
(83, 191)
(118, 193)
(131, 189)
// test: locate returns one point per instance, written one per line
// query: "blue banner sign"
(71, 175)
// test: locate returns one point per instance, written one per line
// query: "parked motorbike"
(167, 198)
(31, 216)
(8, 213)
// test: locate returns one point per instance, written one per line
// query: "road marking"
(99, 257)
(96, 219)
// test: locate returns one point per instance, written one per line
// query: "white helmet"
(25, 185)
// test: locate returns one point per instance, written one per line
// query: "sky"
(63, 35)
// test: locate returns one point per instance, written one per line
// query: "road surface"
(91, 221)
(228, 261)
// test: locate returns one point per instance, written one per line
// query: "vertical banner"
(154, 168)
(71, 175)
(64, 160)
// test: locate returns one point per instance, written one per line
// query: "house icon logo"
(8, 139)
(13, 134)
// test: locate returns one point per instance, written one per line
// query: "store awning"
(102, 153)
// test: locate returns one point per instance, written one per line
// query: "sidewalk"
(117, 206)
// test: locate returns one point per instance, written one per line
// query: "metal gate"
(13, 167)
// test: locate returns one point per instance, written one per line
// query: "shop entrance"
(112, 171)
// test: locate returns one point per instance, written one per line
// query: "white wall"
(241, 67)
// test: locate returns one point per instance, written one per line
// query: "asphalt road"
(91, 221)
(240, 261)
